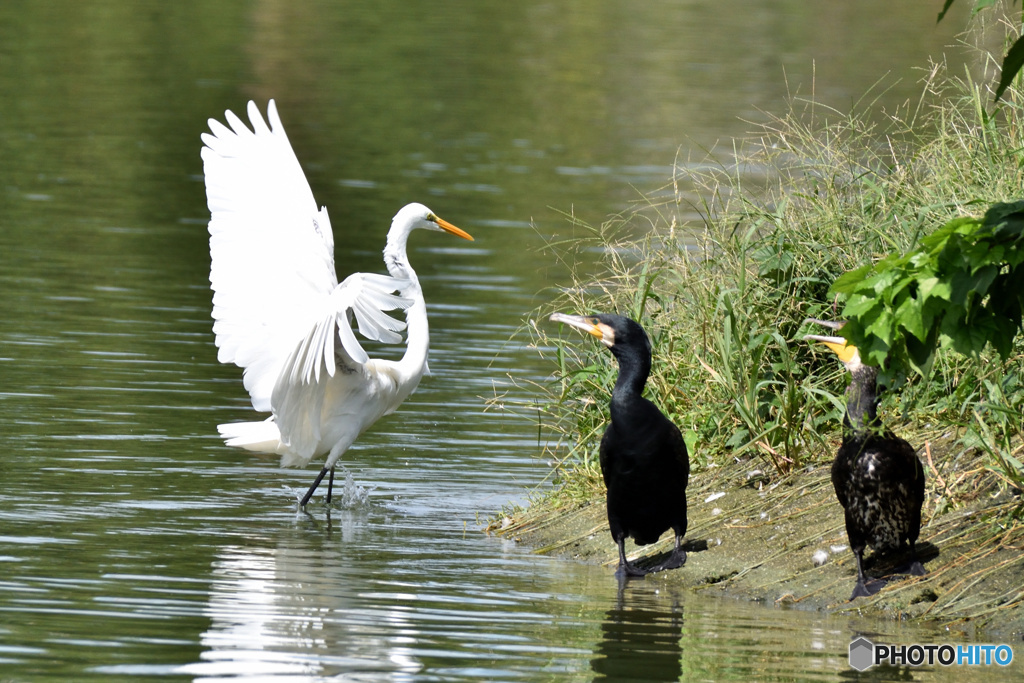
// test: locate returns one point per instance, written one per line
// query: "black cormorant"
(877, 476)
(643, 456)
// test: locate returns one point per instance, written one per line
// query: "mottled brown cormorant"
(877, 476)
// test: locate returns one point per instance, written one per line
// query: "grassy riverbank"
(722, 279)
(754, 536)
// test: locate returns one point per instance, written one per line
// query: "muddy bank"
(757, 538)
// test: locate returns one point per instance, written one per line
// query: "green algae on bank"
(783, 540)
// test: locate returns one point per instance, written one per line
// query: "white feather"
(279, 309)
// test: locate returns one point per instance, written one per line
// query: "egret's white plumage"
(279, 310)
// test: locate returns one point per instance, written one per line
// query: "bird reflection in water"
(640, 637)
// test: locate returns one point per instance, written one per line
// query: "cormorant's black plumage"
(643, 456)
(877, 476)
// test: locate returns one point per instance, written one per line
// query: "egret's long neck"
(417, 331)
(395, 257)
(417, 341)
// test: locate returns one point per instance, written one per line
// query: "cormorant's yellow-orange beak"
(837, 345)
(846, 351)
(449, 228)
(588, 324)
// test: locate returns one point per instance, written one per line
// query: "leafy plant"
(721, 271)
(963, 286)
(1013, 61)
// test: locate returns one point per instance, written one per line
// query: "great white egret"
(281, 314)
(644, 462)
(877, 476)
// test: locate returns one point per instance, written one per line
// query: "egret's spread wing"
(298, 393)
(272, 251)
(364, 296)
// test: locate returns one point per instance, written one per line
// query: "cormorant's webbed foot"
(676, 560)
(867, 587)
(625, 568)
(913, 568)
(630, 570)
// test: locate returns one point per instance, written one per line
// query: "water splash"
(346, 495)
(351, 495)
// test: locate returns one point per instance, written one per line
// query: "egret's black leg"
(330, 486)
(319, 478)
(625, 568)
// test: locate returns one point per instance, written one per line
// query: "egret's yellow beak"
(449, 228)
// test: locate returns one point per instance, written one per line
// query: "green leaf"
(921, 354)
(858, 305)
(933, 311)
(774, 261)
(945, 8)
(883, 327)
(937, 240)
(931, 287)
(874, 352)
(902, 288)
(964, 284)
(1006, 213)
(881, 281)
(984, 253)
(1002, 338)
(909, 316)
(970, 338)
(980, 5)
(849, 281)
(1012, 63)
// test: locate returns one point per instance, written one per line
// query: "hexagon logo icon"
(862, 653)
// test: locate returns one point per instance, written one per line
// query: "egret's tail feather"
(263, 437)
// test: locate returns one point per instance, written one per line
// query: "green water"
(135, 546)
